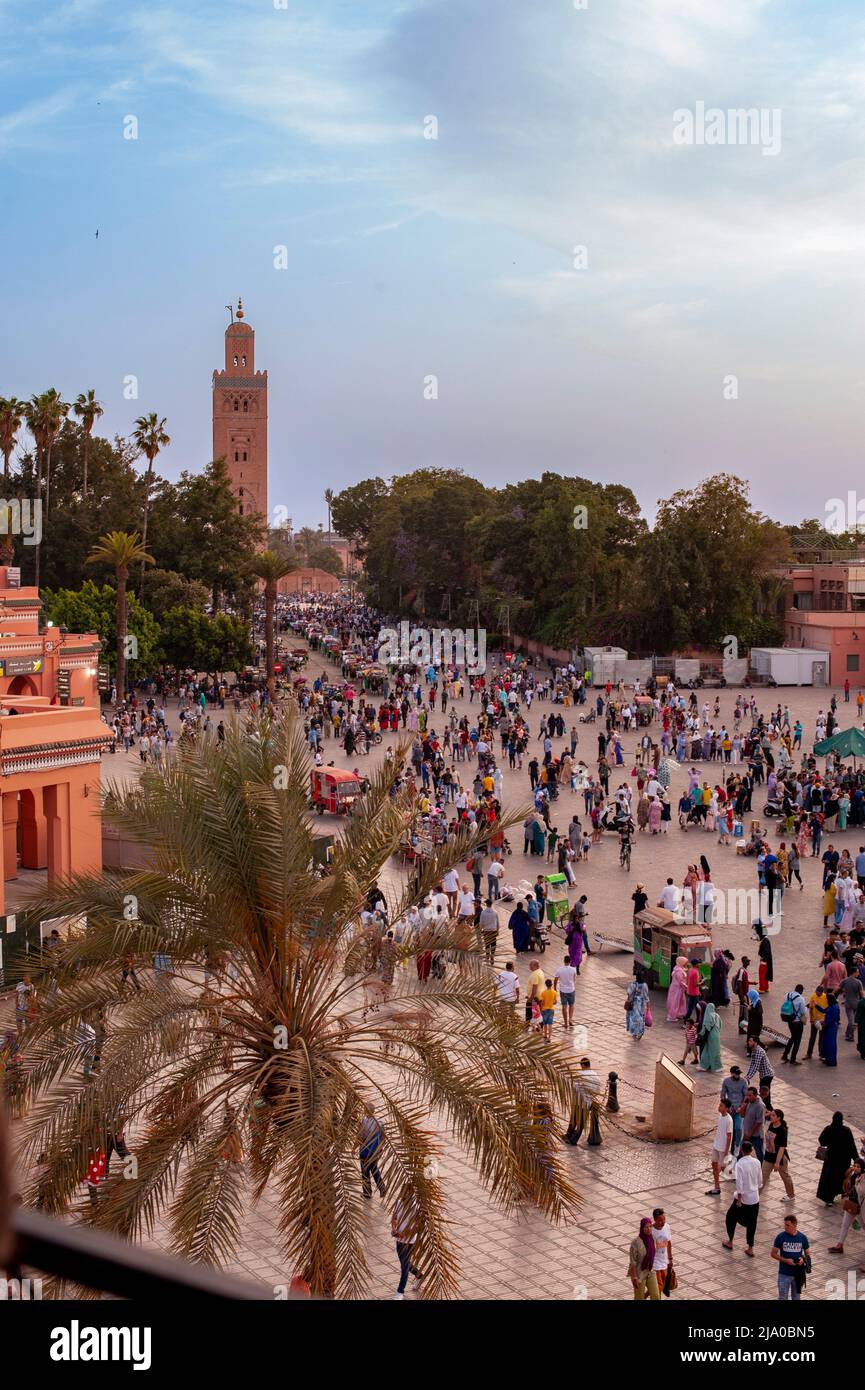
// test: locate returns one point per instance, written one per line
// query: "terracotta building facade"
(240, 417)
(51, 742)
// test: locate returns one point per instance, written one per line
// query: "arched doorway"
(22, 685)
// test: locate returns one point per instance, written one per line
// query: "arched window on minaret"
(236, 404)
(246, 407)
(235, 359)
(243, 360)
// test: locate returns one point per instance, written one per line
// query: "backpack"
(788, 1010)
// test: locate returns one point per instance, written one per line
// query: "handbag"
(671, 1282)
(649, 1019)
(822, 1153)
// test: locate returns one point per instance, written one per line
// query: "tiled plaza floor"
(504, 1257)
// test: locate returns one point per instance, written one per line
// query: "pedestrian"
(638, 1015)
(777, 1155)
(733, 1090)
(641, 1261)
(837, 1151)
(589, 1087)
(710, 1040)
(853, 1200)
(548, 999)
(489, 925)
(403, 1228)
(851, 992)
(692, 1047)
(794, 1011)
(663, 1261)
(566, 981)
(753, 1115)
(831, 1024)
(371, 1139)
(744, 1210)
(790, 1249)
(722, 1145)
(508, 982)
(676, 992)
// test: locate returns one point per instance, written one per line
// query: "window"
(235, 359)
(245, 407)
(240, 508)
(244, 456)
(853, 662)
(242, 360)
(236, 456)
(237, 405)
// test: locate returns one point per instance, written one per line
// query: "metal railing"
(95, 1260)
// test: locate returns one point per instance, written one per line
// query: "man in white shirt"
(466, 904)
(508, 982)
(439, 904)
(566, 982)
(495, 874)
(745, 1207)
(671, 896)
(721, 1146)
(451, 886)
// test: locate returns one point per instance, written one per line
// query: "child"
(537, 1018)
(691, 1048)
(548, 1001)
(587, 845)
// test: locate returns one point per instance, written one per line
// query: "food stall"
(659, 937)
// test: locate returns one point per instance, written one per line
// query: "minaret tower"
(240, 417)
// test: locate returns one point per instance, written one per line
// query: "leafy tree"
(355, 509)
(703, 563)
(198, 531)
(93, 608)
(12, 416)
(192, 639)
(264, 1079)
(167, 589)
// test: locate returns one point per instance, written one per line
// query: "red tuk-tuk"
(332, 789)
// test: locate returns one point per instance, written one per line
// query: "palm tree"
(270, 567)
(54, 412)
(12, 416)
(149, 437)
(259, 1074)
(328, 497)
(88, 409)
(121, 550)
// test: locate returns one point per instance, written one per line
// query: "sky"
(713, 320)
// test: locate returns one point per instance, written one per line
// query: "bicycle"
(625, 855)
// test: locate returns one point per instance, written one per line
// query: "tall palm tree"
(149, 437)
(270, 567)
(12, 416)
(36, 416)
(251, 1065)
(328, 497)
(54, 412)
(121, 550)
(88, 409)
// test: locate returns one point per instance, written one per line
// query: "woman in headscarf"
(518, 925)
(840, 1151)
(642, 811)
(754, 1025)
(766, 973)
(654, 816)
(710, 1040)
(676, 1000)
(831, 1023)
(720, 990)
(574, 939)
(853, 1193)
(689, 885)
(636, 1003)
(641, 1258)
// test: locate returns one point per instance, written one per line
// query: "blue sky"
(408, 257)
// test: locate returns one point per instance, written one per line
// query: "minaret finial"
(240, 308)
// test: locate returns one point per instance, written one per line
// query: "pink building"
(51, 741)
(826, 610)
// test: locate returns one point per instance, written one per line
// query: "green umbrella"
(850, 743)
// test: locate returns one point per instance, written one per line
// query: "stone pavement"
(522, 1257)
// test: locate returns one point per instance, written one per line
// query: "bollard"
(613, 1093)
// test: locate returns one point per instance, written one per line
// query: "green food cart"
(557, 897)
(659, 939)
